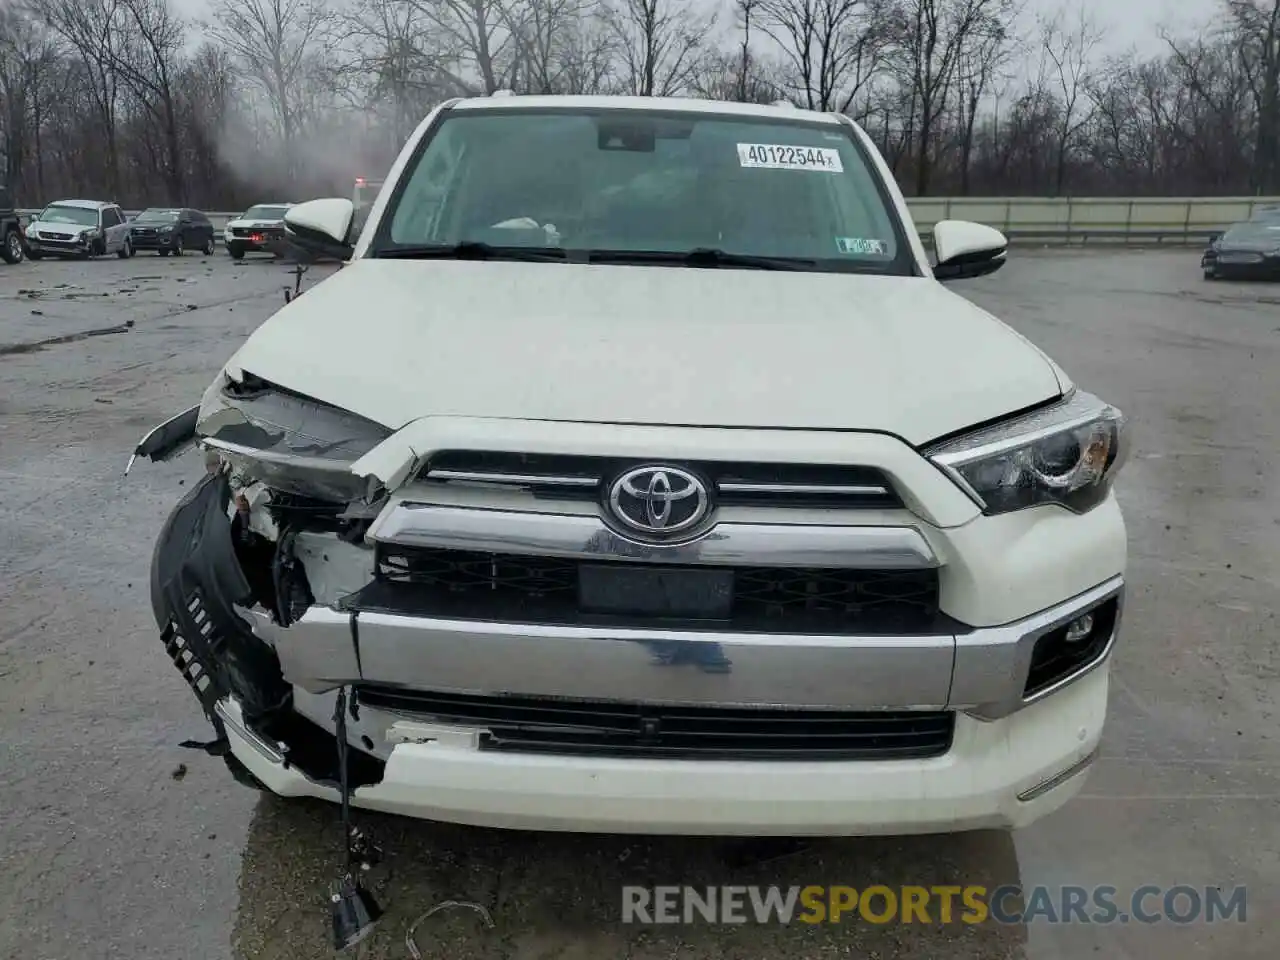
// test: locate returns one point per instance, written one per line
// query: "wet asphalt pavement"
(114, 842)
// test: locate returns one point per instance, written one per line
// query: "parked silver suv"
(79, 228)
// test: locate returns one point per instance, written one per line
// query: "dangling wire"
(412, 944)
(340, 729)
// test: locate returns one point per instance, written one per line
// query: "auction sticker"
(862, 245)
(777, 156)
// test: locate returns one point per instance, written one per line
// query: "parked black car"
(1246, 251)
(173, 230)
(13, 245)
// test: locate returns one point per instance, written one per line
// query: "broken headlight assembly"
(1067, 454)
(288, 442)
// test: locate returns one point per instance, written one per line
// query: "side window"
(110, 217)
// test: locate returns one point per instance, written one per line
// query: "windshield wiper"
(699, 257)
(472, 250)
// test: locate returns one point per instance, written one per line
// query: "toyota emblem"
(659, 500)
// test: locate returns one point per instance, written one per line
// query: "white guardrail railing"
(1187, 220)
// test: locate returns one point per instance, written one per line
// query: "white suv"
(638, 474)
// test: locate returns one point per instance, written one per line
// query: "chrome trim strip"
(982, 672)
(629, 665)
(236, 722)
(517, 479)
(1044, 786)
(568, 535)
(803, 488)
(1004, 445)
(992, 663)
(276, 458)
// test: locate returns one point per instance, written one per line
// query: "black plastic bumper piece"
(195, 580)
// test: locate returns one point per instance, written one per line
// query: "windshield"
(622, 180)
(265, 213)
(79, 216)
(157, 216)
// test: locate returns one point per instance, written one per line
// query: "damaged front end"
(278, 493)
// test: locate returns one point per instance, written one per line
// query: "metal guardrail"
(1059, 220)
(1056, 220)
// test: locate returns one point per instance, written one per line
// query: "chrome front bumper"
(982, 671)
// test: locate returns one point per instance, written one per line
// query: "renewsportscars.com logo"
(878, 904)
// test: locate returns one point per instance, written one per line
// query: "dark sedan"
(1247, 251)
(173, 230)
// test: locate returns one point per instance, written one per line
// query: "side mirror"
(965, 250)
(322, 227)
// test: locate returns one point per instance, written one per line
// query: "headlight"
(287, 441)
(1067, 454)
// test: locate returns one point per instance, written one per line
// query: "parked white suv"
(258, 229)
(638, 474)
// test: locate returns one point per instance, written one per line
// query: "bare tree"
(549, 41)
(1257, 29)
(273, 41)
(28, 56)
(832, 47)
(104, 97)
(589, 55)
(480, 30)
(982, 57)
(659, 42)
(1069, 47)
(146, 60)
(931, 36)
(400, 61)
(93, 29)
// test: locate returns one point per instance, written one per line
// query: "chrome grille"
(554, 476)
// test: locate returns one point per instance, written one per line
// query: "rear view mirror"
(966, 250)
(322, 227)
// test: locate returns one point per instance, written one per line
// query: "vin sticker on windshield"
(862, 246)
(777, 156)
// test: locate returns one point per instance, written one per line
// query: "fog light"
(1079, 629)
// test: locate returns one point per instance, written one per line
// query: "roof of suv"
(678, 104)
(87, 204)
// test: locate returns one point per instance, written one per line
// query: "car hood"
(396, 340)
(53, 227)
(1251, 244)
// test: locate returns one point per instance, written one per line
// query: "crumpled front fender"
(196, 581)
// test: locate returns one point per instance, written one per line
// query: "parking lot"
(118, 843)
